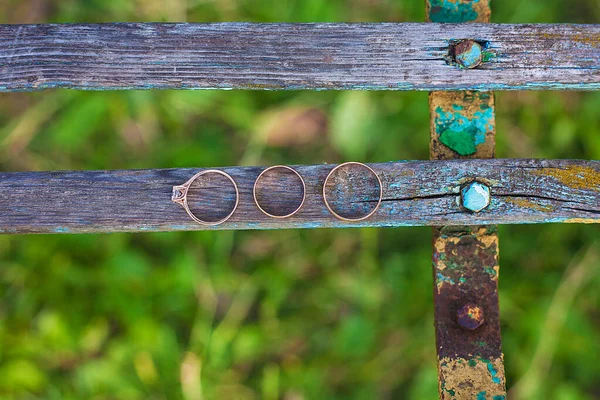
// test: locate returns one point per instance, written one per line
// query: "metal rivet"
(475, 196)
(468, 54)
(470, 316)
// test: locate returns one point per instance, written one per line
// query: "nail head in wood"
(475, 196)
(468, 54)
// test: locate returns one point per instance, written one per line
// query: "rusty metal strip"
(469, 346)
(465, 259)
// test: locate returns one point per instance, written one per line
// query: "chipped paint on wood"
(457, 11)
(462, 125)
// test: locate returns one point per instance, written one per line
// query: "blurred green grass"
(331, 314)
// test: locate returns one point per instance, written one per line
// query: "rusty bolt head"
(470, 316)
(468, 54)
(475, 196)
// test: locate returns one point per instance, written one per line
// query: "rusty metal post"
(465, 258)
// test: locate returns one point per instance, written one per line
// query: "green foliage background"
(320, 314)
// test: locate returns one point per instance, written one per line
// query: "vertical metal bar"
(465, 258)
(469, 346)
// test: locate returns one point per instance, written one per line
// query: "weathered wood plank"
(414, 193)
(383, 56)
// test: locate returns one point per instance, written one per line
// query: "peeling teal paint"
(494, 373)
(499, 397)
(443, 278)
(482, 395)
(487, 55)
(452, 11)
(463, 134)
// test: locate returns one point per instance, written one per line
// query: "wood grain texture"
(382, 56)
(414, 193)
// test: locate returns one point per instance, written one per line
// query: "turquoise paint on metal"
(443, 278)
(452, 12)
(493, 372)
(481, 396)
(461, 133)
(468, 54)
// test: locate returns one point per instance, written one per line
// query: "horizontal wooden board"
(381, 56)
(414, 193)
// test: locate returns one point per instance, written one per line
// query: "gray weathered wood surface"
(382, 56)
(415, 193)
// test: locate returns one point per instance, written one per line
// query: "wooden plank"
(383, 56)
(414, 193)
(465, 259)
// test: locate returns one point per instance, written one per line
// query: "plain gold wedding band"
(303, 191)
(378, 201)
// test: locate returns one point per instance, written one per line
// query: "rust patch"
(456, 11)
(465, 266)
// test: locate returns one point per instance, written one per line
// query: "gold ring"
(180, 196)
(365, 216)
(303, 191)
